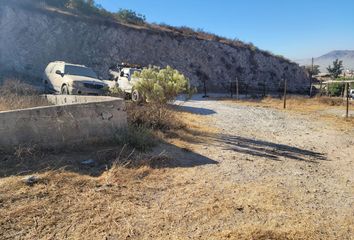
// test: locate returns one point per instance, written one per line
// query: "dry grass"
(146, 203)
(171, 124)
(130, 199)
(298, 103)
(153, 116)
(331, 109)
(195, 130)
(132, 195)
(123, 200)
(15, 94)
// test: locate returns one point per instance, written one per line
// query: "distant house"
(323, 77)
(348, 73)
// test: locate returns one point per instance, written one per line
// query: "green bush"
(86, 6)
(161, 85)
(335, 89)
(129, 16)
(90, 7)
(57, 3)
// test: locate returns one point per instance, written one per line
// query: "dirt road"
(277, 171)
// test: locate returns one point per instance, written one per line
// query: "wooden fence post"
(231, 90)
(237, 88)
(205, 89)
(347, 110)
(285, 91)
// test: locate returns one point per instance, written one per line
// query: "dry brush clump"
(331, 101)
(15, 94)
(154, 116)
(137, 137)
(158, 87)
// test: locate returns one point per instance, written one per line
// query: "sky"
(296, 29)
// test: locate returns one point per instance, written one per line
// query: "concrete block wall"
(74, 120)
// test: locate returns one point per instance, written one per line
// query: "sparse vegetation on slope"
(15, 94)
(89, 7)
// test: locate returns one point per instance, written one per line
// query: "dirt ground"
(242, 172)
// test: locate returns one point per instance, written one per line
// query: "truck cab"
(124, 76)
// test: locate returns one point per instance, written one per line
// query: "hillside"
(347, 56)
(31, 35)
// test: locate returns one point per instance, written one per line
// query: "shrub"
(57, 3)
(153, 116)
(17, 95)
(16, 87)
(252, 47)
(331, 101)
(160, 86)
(90, 7)
(116, 92)
(129, 16)
(137, 137)
(335, 89)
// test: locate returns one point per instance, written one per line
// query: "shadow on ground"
(195, 110)
(94, 160)
(269, 150)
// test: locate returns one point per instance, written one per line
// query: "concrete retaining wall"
(74, 120)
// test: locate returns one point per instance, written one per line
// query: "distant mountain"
(347, 56)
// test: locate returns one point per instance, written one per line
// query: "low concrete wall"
(72, 99)
(73, 120)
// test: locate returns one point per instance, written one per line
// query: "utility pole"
(285, 89)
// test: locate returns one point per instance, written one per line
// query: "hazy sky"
(294, 28)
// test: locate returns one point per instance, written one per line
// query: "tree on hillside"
(129, 16)
(336, 69)
(91, 3)
(90, 7)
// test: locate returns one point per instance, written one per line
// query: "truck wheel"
(64, 90)
(127, 96)
(136, 96)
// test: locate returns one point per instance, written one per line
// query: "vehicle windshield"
(79, 71)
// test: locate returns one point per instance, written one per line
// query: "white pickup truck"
(351, 93)
(124, 76)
